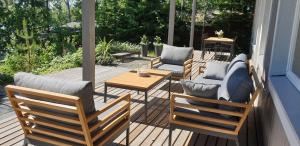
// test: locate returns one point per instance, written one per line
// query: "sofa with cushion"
(178, 60)
(217, 101)
(62, 112)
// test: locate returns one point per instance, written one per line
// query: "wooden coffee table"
(130, 80)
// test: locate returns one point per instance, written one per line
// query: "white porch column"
(192, 33)
(171, 22)
(88, 40)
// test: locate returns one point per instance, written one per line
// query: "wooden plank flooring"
(155, 130)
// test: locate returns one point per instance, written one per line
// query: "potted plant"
(145, 44)
(219, 33)
(157, 45)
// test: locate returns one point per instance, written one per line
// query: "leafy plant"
(144, 40)
(103, 55)
(70, 60)
(157, 41)
(28, 48)
(117, 46)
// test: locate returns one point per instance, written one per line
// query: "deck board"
(155, 130)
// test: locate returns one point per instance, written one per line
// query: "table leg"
(203, 51)
(170, 82)
(105, 92)
(146, 105)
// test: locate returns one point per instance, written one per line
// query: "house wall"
(271, 39)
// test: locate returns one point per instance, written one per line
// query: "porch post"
(192, 33)
(88, 40)
(171, 21)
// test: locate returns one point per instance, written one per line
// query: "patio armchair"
(216, 108)
(60, 112)
(178, 60)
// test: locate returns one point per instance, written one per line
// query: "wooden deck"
(155, 130)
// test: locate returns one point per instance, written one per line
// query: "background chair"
(228, 47)
(178, 60)
(206, 46)
(60, 119)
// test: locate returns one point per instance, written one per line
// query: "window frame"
(295, 79)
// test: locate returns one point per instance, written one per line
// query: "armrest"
(126, 98)
(173, 104)
(202, 67)
(187, 68)
(113, 119)
(155, 61)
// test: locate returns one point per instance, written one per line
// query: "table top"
(131, 80)
(217, 39)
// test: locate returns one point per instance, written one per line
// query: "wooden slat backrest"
(20, 105)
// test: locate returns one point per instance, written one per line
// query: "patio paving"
(155, 131)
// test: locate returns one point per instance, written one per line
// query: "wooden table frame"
(217, 40)
(167, 75)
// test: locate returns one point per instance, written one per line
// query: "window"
(293, 70)
(296, 59)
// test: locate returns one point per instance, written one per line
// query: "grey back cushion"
(175, 55)
(200, 90)
(237, 84)
(81, 89)
(215, 70)
(239, 58)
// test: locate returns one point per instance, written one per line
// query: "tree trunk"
(69, 10)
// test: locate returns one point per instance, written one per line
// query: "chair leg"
(237, 141)
(170, 135)
(25, 143)
(127, 137)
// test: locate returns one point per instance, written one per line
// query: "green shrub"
(117, 47)
(70, 60)
(6, 75)
(103, 53)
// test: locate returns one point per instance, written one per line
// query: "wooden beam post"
(171, 21)
(192, 33)
(88, 40)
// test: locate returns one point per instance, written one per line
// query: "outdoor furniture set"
(61, 112)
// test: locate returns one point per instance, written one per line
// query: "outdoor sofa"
(178, 60)
(218, 101)
(55, 111)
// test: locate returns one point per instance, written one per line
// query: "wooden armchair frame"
(212, 130)
(187, 68)
(108, 132)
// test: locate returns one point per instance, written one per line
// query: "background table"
(217, 40)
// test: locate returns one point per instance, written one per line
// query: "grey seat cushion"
(200, 79)
(175, 55)
(177, 70)
(200, 90)
(239, 58)
(215, 70)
